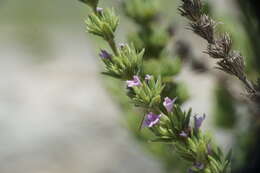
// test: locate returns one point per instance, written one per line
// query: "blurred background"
(56, 114)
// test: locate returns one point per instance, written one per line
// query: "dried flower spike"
(231, 62)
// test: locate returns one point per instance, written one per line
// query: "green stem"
(112, 45)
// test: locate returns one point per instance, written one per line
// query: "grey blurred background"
(55, 113)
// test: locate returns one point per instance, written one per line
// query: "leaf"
(111, 75)
(229, 156)
(165, 140)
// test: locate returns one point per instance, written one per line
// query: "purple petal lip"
(104, 54)
(151, 119)
(198, 121)
(183, 134)
(199, 166)
(135, 82)
(168, 103)
(190, 170)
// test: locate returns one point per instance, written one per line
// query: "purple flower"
(148, 77)
(151, 119)
(135, 82)
(104, 54)
(183, 134)
(190, 170)
(196, 166)
(199, 165)
(198, 121)
(168, 103)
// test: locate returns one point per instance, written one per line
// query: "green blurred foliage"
(141, 11)
(165, 66)
(152, 38)
(224, 111)
(249, 18)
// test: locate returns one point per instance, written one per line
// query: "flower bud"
(104, 54)
(168, 103)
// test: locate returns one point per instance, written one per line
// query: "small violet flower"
(183, 134)
(168, 103)
(190, 170)
(198, 121)
(135, 82)
(148, 77)
(105, 55)
(151, 119)
(199, 166)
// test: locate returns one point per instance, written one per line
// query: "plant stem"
(249, 85)
(112, 45)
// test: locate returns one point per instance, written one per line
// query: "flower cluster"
(164, 118)
(231, 62)
(147, 93)
(124, 64)
(103, 23)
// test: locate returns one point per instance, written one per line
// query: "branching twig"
(229, 61)
(164, 118)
